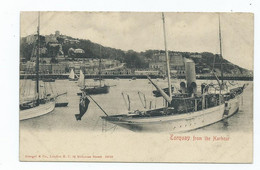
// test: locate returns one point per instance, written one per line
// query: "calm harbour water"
(62, 118)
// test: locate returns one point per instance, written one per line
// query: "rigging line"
(26, 81)
(28, 90)
(129, 103)
(96, 124)
(45, 91)
(47, 87)
(20, 88)
(56, 91)
(33, 50)
(144, 98)
(109, 128)
(50, 88)
(52, 91)
(213, 68)
(99, 67)
(124, 99)
(115, 127)
(23, 88)
(97, 104)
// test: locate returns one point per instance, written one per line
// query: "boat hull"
(63, 104)
(180, 122)
(96, 90)
(48, 80)
(73, 79)
(40, 110)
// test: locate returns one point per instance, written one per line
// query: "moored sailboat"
(81, 80)
(97, 89)
(186, 110)
(72, 76)
(100, 89)
(37, 105)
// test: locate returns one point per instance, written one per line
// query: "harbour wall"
(130, 76)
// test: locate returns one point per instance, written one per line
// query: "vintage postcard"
(136, 87)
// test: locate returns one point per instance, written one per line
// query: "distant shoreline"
(66, 76)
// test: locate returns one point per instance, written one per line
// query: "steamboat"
(187, 109)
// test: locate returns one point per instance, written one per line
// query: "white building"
(195, 56)
(146, 72)
(79, 51)
(31, 39)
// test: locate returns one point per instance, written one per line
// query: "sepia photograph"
(136, 86)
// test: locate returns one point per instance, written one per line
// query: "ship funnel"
(190, 76)
(183, 87)
(192, 88)
(204, 88)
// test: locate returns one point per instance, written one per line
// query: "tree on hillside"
(26, 50)
(53, 50)
(133, 60)
(60, 40)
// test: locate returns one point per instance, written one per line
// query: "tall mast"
(37, 61)
(167, 59)
(220, 48)
(99, 67)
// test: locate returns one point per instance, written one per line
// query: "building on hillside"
(57, 33)
(58, 69)
(196, 56)
(79, 51)
(31, 39)
(71, 41)
(45, 68)
(160, 66)
(42, 51)
(159, 57)
(123, 71)
(206, 70)
(176, 63)
(42, 60)
(176, 60)
(29, 68)
(55, 50)
(51, 39)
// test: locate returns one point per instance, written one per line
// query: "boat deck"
(181, 104)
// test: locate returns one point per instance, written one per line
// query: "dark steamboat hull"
(61, 104)
(48, 80)
(95, 90)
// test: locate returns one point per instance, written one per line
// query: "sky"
(187, 32)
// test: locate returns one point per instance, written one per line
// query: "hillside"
(133, 59)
